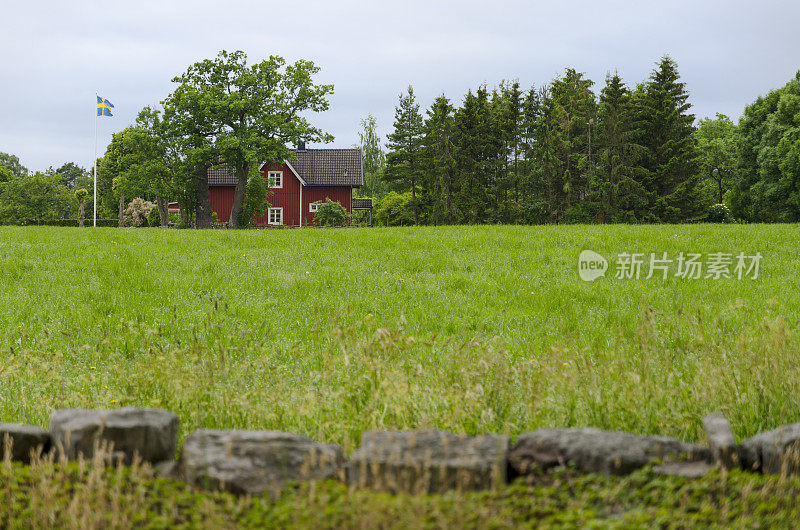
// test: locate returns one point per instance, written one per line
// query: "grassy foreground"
(87, 496)
(331, 332)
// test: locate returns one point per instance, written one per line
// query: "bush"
(330, 213)
(137, 212)
(719, 213)
(64, 222)
(395, 210)
(154, 218)
(255, 199)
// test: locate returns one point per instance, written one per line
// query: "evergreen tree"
(668, 134)
(470, 129)
(532, 187)
(403, 164)
(617, 182)
(562, 144)
(510, 118)
(439, 162)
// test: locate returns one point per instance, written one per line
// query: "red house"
(307, 177)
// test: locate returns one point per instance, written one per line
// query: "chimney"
(301, 147)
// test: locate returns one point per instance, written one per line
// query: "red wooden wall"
(287, 198)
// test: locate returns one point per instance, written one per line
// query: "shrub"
(719, 213)
(255, 199)
(64, 222)
(330, 213)
(154, 218)
(395, 210)
(137, 212)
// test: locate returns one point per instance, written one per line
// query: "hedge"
(63, 222)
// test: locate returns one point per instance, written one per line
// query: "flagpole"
(95, 165)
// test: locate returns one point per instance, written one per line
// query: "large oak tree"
(226, 111)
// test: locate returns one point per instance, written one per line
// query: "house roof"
(361, 204)
(315, 167)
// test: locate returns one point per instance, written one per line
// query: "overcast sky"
(55, 55)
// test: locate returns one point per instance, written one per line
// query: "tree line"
(559, 153)
(562, 153)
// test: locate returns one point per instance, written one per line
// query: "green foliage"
(62, 222)
(35, 198)
(439, 163)
(13, 165)
(5, 174)
(719, 213)
(153, 218)
(769, 157)
(81, 195)
(394, 210)
(71, 175)
(256, 201)
(718, 141)
(671, 163)
(330, 213)
(374, 159)
(403, 162)
(617, 185)
(225, 109)
(48, 495)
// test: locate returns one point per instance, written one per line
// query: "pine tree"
(403, 161)
(562, 144)
(616, 182)
(672, 158)
(439, 161)
(508, 108)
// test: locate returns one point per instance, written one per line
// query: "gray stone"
(774, 451)
(24, 439)
(152, 434)
(721, 441)
(428, 461)
(684, 469)
(596, 451)
(252, 462)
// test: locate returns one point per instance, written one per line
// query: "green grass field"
(331, 332)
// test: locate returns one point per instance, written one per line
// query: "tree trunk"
(80, 216)
(121, 211)
(163, 210)
(238, 196)
(203, 196)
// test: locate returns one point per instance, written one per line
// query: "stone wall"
(254, 462)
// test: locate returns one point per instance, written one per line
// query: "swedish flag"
(104, 107)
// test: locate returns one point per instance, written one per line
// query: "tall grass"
(331, 332)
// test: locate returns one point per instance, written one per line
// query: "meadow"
(329, 332)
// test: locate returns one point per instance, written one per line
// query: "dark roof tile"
(317, 167)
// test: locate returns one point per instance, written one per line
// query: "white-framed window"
(276, 216)
(313, 206)
(275, 179)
